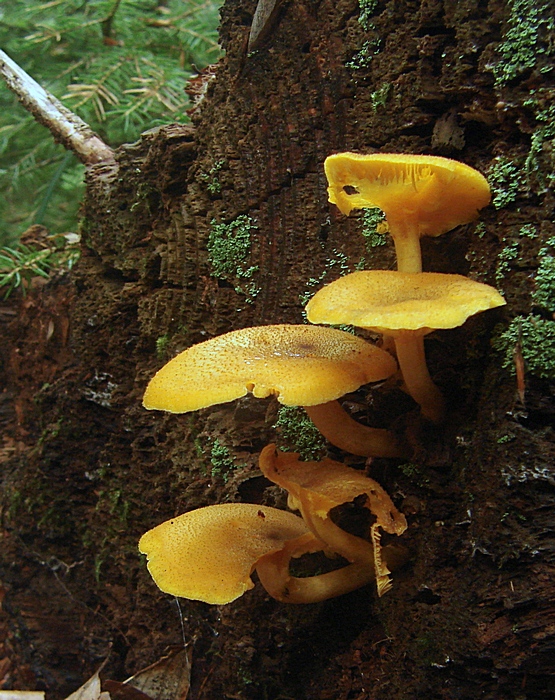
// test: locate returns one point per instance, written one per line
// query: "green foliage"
(229, 247)
(299, 432)
(536, 338)
(544, 294)
(523, 41)
(504, 177)
(121, 65)
(19, 264)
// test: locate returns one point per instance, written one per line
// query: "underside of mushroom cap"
(438, 193)
(302, 365)
(327, 484)
(316, 487)
(389, 301)
(209, 554)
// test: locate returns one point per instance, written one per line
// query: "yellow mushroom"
(301, 365)
(315, 488)
(210, 553)
(420, 195)
(406, 306)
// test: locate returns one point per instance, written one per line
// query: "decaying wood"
(472, 614)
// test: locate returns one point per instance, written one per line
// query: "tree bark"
(471, 614)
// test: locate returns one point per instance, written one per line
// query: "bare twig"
(65, 126)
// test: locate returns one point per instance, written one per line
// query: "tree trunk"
(87, 470)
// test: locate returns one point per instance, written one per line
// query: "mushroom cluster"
(210, 553)
(420, 196)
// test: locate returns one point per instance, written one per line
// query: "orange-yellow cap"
(436, 194)
(302, 365)
(209, 554)
(390, 301)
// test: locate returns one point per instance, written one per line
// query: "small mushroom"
(420, 195)
(406, 306)
(210, 553)
(301, 365)
(315, 488)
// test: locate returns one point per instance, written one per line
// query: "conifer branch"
(65, 126)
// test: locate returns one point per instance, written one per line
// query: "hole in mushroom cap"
(350, 189)
(354, 517)
(315, 563)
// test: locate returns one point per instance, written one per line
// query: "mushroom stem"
(406, 238)
(350, 547)
(412, 362)
(273, 572)
(355, 549)
(344, 432)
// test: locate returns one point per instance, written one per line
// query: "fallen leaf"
(166, 679)
(91, 690)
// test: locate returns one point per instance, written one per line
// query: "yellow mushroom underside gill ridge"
(316, 487)
(406, 306)
(420, 195)
(301, 365)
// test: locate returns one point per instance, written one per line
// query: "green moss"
(544, 293)
(372, 222)
(545, 131)
(162, 346)
(413, 472)
(379, 97)
(211, 179)
(221, 460)
(536, 337)
(337, 261)
(528, 231)
(522, 44)
(299, 432)
(363, 57)
(505, 178)
(509, 253)
(229, 247)
(367, 10)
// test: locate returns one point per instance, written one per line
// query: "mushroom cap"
(435, 193)
(302, 365)
(389, 301)
(321, 486)
(209, 554)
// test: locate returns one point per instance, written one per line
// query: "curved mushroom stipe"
(316, 487)
(273, 572)
(411, 356)
(337, 426)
